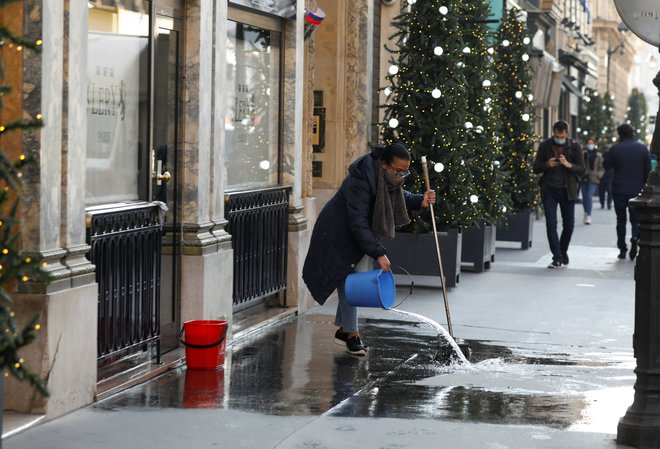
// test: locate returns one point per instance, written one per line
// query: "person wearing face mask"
(560, 162)
(593, 173)
(368, 206)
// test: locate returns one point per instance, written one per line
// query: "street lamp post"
(610, 52)
(640, 426)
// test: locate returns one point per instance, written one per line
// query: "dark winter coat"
(631, 162)
(342, 234)
(573, 155)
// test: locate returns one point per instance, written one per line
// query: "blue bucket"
(370, 289)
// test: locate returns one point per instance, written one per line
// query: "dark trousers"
(605, 189)
(552, 198)
(620, 207)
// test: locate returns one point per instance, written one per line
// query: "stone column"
(640, 427)
(206, 252)
(292, 153)
(52, 224)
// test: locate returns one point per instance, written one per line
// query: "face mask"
(559, 141)
(392, 179)
(591, 147)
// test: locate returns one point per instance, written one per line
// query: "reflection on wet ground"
(296, 369)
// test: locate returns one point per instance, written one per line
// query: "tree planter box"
(519, 229)
(478, 247)
(416, 253)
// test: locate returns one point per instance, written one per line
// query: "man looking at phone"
(560, 162)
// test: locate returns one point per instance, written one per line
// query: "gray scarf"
(390, 208)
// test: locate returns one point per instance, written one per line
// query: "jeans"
(620, 207)
(588, 191)
(346, 316)
(550, 199)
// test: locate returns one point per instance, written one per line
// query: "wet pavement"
(551, 367)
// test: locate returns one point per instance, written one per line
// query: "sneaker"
(584, 219)
(341, 338)
(633, 249)
(555, 264)
(354, 346)
(564, 259)
(587, 220)
(622, 254)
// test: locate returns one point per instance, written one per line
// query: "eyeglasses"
(400, 173)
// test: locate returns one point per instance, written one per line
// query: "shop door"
(165, 185)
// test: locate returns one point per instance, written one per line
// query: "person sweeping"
(369, 205)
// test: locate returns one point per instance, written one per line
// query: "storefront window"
(117, 105)
(252, 120)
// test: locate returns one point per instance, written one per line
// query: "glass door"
(165, 186)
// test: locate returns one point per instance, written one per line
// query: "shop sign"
(642, 17)
(281, 8)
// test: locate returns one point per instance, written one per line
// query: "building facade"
(169, 184)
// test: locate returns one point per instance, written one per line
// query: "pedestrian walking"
(593, 172)
(631, 161)
(560, 162)
(368, 206)
(605, 185)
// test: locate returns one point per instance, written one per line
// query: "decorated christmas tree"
(14, 266)
(428, 108)
(514, 97)
(597, 118)
(484, 145)
(636, 115)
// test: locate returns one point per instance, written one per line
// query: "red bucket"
(204, 342)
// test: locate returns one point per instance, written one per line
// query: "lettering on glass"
(115, 68)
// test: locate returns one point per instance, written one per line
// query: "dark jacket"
(573, 155)
(342, 234)
(631, 162)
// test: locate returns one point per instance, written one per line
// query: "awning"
(568, 84)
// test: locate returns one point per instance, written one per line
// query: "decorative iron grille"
(258, 224)
(126, 249)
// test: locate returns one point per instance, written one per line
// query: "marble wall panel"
(76, 52)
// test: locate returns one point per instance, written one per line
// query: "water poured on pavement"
(551, 367)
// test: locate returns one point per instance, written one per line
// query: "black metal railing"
(257, 222)
(126, 249)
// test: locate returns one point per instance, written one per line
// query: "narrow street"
(551, 367)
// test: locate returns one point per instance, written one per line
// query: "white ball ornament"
(460, 64)
(479, 129)
(436, 93)
(393, 70)
(469, 125)
(443, 10)
(505, 43)
(393, 123)
(504, 209)
(488, 100)
(412, 2)
(387, 91)
(439, 167)
(438, 51)
(474, 198)
(526, 41)
(467, 50)
(486, 83)
(530, 97)
(525, 117)
(519, 94)
(525, 57)
(491, 51)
